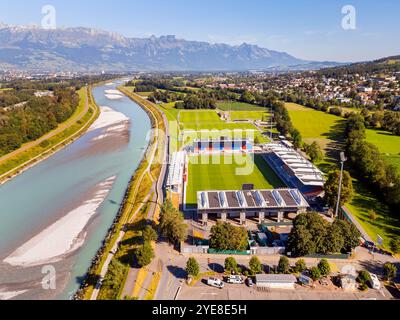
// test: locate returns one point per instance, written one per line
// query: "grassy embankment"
(74, 127)
(328, 131)
(130, 218)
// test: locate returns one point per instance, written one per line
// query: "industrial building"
(249, 204)
(294, 169)
(222, 144)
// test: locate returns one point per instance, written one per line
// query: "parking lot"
(201, 291)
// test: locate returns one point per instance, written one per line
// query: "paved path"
(357, 224)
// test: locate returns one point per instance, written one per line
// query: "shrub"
(231, 265)
(315, 273)
(324, 267)
(255, 265)
(283, 265)
(364, 277)
(144, 254)
(300, 266)
(192, 267)
(390, 270)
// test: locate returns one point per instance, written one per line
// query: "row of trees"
(37, 117)
(369, 164)
(312, 234)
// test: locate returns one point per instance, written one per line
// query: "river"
(54, 216)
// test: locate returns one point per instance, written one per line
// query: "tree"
(324, 267)
(372, 215)
(225, 236)
(364, 277)
(300, 265)
(314, 151)
(149, 234)
(390, 270)
(192, 267)
(333, 241)
(395, 245)
(297, 139)
(351, 235)
(332, 187)
(172, 225)
(284, 265)
(255, 265)
(144, 254)
(231, 265)
(315, 273)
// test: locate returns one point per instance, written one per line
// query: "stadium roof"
(300, 167)
(253, 199)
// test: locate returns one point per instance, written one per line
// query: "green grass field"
(387, 143)
(248, 115)
(328, 130)
(239, 106)
(318, 126)
(224, 176)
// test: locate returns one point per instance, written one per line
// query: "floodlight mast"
(343, 159)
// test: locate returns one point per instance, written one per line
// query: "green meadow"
(328, 131)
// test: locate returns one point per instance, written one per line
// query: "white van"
(214, 282)
(235, 280)
(375, 283)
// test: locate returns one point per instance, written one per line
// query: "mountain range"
(84, 49)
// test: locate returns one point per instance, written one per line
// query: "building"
(295, 170)
(249, 204)
(276, 281)
(176, 171)
(222, 144)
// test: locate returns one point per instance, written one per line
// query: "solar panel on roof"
(221, 197)
(259, 199)
(277, 197)
(296, 196)
(240, 198)
(203, 199)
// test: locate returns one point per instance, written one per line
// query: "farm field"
(223, 176)
(315, 125)
(239, 106)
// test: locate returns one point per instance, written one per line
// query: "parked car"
(250, 282)
(215, 282)
(375, 283)
(235, 280)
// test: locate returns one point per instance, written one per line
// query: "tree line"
(34, 119)
(369, 165)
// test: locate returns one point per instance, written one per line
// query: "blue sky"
(308, 29)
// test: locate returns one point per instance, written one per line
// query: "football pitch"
(225, 176)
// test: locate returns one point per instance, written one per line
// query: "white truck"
(214, 282)
(375, 283)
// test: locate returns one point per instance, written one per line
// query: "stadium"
(282, 181)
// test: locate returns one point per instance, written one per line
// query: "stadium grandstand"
(176, 171)
(222, 144)
(249, 204)
(295, 170)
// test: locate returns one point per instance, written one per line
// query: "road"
(65, 125)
